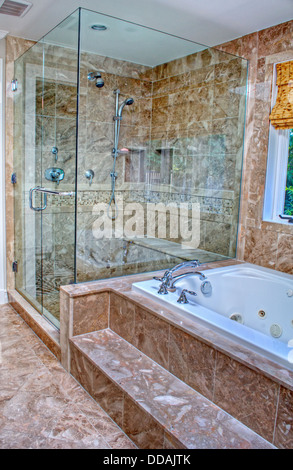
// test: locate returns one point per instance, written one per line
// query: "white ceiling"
(122, 40)
(208, 22)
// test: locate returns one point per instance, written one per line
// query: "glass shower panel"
(59, 116)
(128, 148)
(167, 190)
(27, 154)
(47, 169)
(116, 148)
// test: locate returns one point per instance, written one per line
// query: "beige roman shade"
(282, 113)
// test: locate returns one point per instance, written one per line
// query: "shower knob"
(55, 152)
(89, 174)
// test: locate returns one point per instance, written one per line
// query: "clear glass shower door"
(28, 69)
(45, 116)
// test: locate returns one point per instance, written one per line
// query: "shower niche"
(159, 123)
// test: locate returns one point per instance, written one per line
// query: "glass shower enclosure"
(128, 150)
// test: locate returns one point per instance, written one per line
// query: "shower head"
(126, 102)
(100, 82)
(96, 76)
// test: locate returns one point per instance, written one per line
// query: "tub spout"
(169, 279)
(186, 264)
(171, 286)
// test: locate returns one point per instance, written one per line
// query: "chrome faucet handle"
(183, 299)
(163, 287)
(89, 174)
(165, 275)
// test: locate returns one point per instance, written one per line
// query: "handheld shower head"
(126, 102)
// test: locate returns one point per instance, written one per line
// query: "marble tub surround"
(210, 363)
(154, 408)
(42, 406)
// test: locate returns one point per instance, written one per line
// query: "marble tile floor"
(41, 405)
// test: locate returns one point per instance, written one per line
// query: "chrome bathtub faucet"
(171, 287)
(183, 299)
(168, 280)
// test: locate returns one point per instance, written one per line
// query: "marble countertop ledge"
(124, 283)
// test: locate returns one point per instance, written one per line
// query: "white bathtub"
(261, 298)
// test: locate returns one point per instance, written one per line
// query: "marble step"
(153, 407)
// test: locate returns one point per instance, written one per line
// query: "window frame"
(277, 168)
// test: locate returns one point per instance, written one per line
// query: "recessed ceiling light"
(99, 27)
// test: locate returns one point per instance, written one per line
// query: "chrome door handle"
(46, 191)
(37, 209)
(52, 191)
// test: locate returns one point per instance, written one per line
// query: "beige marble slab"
(41, 405)
(177, 408)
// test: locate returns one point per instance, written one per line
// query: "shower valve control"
(54, 174)
(290, 293)
(55, 152)
(89, 174)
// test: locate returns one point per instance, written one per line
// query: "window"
(278, 203)
(288, 206)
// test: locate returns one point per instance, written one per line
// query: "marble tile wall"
(264, 243)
